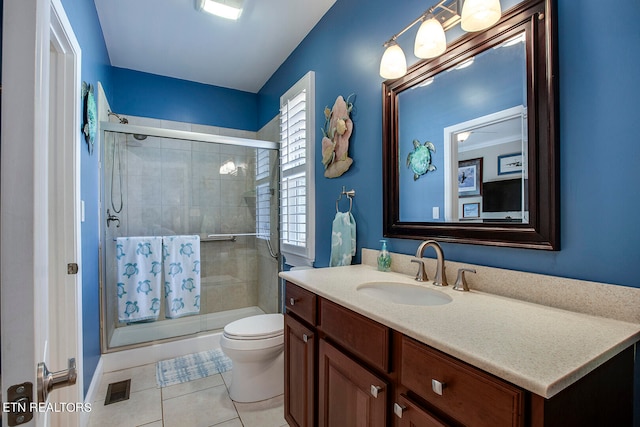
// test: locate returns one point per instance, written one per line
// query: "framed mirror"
(470, 141)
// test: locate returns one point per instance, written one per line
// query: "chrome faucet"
(440, 278)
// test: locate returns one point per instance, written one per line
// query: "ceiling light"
(513, 41)
(478, 15)
(462, 136)
(393, 63)
(465, 64)
(230, 9)
(430, 40)
(426, 82)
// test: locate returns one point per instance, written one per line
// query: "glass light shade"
(478, 15)
(393, 64)
(430, 40)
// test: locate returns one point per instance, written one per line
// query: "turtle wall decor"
(420, 159)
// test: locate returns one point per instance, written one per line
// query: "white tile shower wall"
(176, 187)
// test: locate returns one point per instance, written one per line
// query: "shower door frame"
(105, 126)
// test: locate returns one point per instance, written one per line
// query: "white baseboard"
(92, 391)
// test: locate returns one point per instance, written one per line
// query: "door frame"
(40, 199)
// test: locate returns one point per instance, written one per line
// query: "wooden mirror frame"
(537, 19)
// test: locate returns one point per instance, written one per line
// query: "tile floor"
(200, 403)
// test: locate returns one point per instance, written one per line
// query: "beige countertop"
(539, 348)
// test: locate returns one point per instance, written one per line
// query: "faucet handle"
(461, 281)
(421, 275)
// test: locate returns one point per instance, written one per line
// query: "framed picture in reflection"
(471, 210)
(470, 177)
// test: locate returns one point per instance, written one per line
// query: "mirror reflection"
(463, 135)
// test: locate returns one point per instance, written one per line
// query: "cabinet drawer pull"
(375, 389)
(292, 301)
(437, 387)
(399, 409)
(305, 337)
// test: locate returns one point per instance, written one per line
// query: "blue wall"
(599, 64)
(95, 67)
(149, 95)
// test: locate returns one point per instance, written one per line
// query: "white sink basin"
(402, 293)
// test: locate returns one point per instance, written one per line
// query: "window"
(297, 189)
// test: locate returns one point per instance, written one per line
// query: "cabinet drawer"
(301, 302)
(469, 395)
(365, 338)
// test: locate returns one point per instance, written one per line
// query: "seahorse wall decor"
(335, 142)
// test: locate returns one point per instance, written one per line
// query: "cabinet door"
(299, 378)
(409, 414)
(349, 395)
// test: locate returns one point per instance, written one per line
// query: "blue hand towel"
(343, 239)
(139, 280)
(181, 255)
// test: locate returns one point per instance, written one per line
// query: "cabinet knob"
(437, 387)
(375, 389)
(305, 337)
(399, 409)
(292, 301)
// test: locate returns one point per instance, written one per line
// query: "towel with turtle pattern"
(181, 262)
(139, 278)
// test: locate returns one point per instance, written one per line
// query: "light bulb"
(393, 64)
(430, 40)
(478, 15)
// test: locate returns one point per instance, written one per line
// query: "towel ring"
(350, 194)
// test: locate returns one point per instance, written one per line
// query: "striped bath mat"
(191, 367)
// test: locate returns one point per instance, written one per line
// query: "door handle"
(48, 381)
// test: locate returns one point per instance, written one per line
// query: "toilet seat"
(260, 327)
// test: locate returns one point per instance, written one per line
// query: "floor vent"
(117, 392)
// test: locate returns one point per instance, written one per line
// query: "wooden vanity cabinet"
(343, 369)
(349, 394)
(300, 350)
(299, 373)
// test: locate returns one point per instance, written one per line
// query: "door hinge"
(19, 398)
(72, 268)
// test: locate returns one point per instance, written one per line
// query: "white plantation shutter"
(297, 183)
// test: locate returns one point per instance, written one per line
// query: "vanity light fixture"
(230, 9)
(430, 41)
(393, 63)
(480, 14)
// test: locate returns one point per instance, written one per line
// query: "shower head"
(122, 120)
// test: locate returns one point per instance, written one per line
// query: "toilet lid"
(256, 327)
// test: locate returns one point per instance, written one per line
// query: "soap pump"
(384, 257)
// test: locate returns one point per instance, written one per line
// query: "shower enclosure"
(163, 182)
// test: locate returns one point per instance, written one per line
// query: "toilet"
(255, 346)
